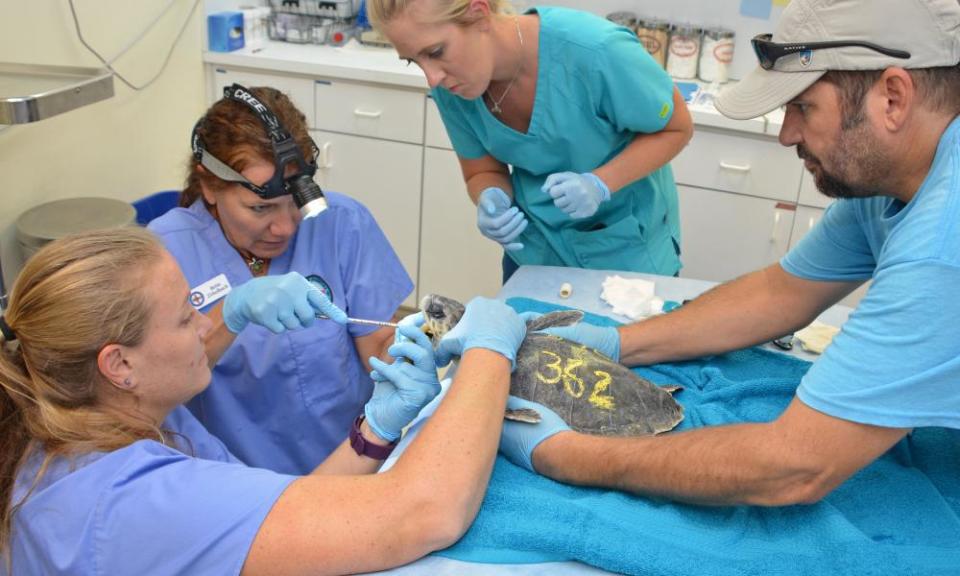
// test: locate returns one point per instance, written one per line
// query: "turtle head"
(440, 315)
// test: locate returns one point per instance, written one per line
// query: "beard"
(859, 168)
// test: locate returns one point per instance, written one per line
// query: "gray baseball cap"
(929, 30)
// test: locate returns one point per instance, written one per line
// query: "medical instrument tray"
(341, 9)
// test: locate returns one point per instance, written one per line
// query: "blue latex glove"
(519, 439)
(605, 339)
(486, 323)
(279, 303)
(579, 195)
(498, 220)
(403, 388)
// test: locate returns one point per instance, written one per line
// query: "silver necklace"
(496, 109)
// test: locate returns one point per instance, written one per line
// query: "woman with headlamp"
(286, 386)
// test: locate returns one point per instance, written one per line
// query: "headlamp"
(307, 195)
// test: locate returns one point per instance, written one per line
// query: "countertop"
(358, 62)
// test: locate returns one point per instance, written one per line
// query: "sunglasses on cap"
(768, 52)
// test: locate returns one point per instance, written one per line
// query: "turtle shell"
(592, 393)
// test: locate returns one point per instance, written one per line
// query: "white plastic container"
(716, 55)
(684, 51)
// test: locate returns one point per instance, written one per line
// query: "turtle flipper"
(526, 415)
(554, 320)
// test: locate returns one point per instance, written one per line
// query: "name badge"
(210, 291)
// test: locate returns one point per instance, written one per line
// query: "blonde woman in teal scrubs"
(564, 126)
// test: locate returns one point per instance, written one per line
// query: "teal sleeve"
(635, 94)
(453, 112)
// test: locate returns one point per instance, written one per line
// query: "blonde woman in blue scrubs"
(103, 470)
(575, 106)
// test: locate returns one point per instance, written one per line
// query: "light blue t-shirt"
(597, 88)
(145, 509)
(896, 361)
(286, 401)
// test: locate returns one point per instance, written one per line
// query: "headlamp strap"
(238, 93)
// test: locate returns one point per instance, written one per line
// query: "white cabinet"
(727, 235)
(808, 217)
(455, 259)
(753, 165)
(373, 111)
(738, 196)
(385, 177)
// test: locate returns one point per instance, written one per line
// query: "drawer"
(300, 90)
(436, 133)
(809, 195)
(366, 110)
(740, 163)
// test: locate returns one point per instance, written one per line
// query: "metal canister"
(624, 18)
(654, 35)
(716, 55)
(684, 51)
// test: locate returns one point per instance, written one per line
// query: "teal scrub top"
(596, 89)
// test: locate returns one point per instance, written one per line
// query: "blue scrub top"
(144, 509)
(286, 401)
(597, 88)
(896, 361)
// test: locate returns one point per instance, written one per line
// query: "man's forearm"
(727, 465)
(744, 312)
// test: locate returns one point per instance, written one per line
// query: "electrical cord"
(109, 64)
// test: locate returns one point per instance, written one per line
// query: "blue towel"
(900, 515)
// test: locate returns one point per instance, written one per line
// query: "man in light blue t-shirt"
(872, 96)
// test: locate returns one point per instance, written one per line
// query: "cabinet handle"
(367, 114)
(734, 167)
(325, 156)
(811, 223)
(776, 224)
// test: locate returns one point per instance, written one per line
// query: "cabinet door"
(385, 177)
(807, 218)
(727, 235)
(809, 195)
(455, 259)
(739, 163)
(299, 89)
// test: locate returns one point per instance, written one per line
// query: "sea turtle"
(592, 393)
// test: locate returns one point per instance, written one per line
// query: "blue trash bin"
(155, 205)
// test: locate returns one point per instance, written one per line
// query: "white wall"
(125, 147)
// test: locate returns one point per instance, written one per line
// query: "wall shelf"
(32, 92)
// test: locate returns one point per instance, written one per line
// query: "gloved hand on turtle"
(278, 303)
(604, 339)
(486, 323)
(403, 387)
(519, 439)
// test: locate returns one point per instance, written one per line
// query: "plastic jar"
(625, 18)
(654, 35)
(716, 55)
(684, 51)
